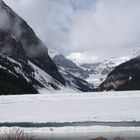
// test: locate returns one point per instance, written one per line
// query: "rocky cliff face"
(25, 65)
(69, 66)
(124, 77)
(34, 49)
(18, 74)
(15, 77)
(10, 47)
(98, 71)
(73, 74)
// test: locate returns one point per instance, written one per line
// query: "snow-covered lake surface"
(81, 112)
(106, 106)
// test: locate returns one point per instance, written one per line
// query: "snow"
(14, 61)
(19, 70)
(102, 69)
(66, 90)
(96, 79)
(120, 60)
(70, 130)
(104, 107)
(43, 77)
(81, 58)
(4, 68)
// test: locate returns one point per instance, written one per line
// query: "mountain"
(69, 66)
(73, 74)
(25, 65)
(34, 49)
(19, 74)
(99, 70)
(94, 73)
(124, 77)
(76, 83)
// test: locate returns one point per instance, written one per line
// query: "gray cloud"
(4, 20)
(99, 27)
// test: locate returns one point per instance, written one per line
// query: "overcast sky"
(98, 28)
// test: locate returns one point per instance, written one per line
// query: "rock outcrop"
(124, 77)
(25, 65)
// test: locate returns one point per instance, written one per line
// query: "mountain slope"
(13, 80)
(73, 74)
(25, 65)
(69, 66)
(124, 77)
(34, 49)
(18, 75)
(76, 83)
(99, 70)
(94, 73)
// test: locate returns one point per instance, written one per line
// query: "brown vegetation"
(100, 138)
(15, 135)
(118, 138)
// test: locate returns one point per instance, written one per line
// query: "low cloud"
(109, 30)
(17, 28)
(103, 28)
(4, 19)
(81, 58)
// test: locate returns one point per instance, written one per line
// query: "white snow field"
(71, 130)
(42, 108)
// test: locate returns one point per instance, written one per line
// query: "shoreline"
(71, 124)
(71, 129)
(67, 133)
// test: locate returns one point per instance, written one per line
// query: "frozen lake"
(89, 136)
(83, 134)
(73, 116)
(74, 107)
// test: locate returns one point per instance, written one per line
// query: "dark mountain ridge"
(73, 74)
(71, 67)
(124, 77)
(25, 66)
(34, 49)
(23, 56)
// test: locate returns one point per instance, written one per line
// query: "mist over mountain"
(26, 66)
(76, 70)
(93, 28)
(74, 75)
(23, 55)
(34, 48)
(93, 71)
(64, 63)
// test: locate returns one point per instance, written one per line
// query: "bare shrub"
(118, 138)
(100, 138)
(15, 135)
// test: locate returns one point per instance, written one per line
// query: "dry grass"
(19, 134)
(118, 138)
(102, 138)
(15, 135)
